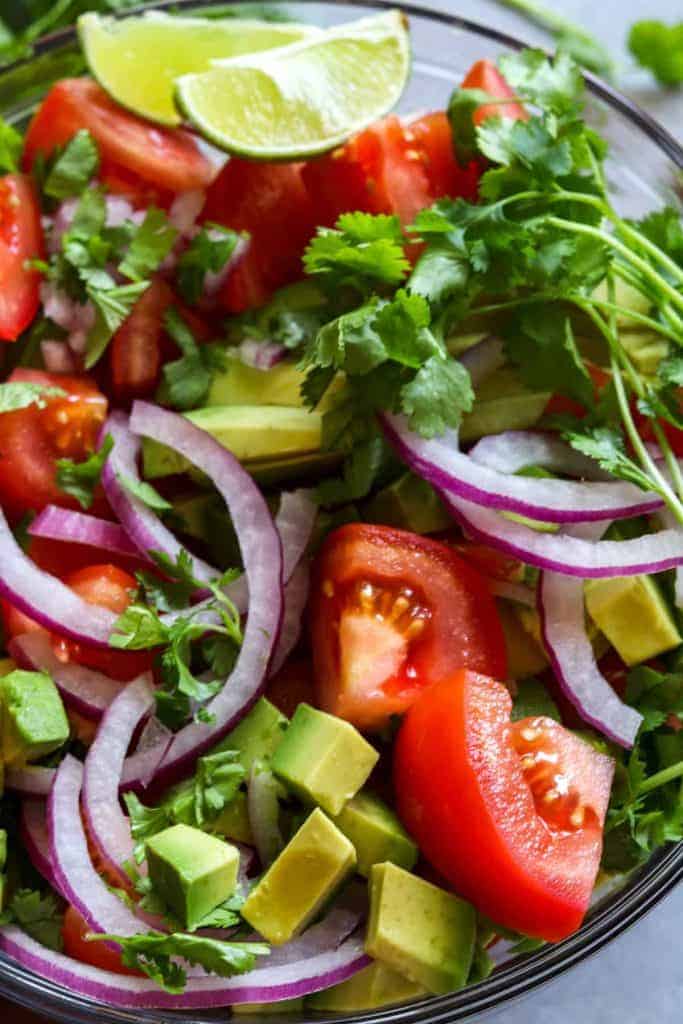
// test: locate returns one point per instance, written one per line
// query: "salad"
(341, 529)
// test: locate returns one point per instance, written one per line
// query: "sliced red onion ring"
(83, 689)
(568, 555)
(668, 519)
(262, 355)
(264, 814)
(30, 781)
(108, 826)
(262, 985)
(75, 875)
(483, 359)
(557, 501)
(185, 209)
(261, 552)
(73, 527)
(139, 767)
(296, 596)
(36, 840)
(516, 449)
(46, 599)
(141, 524)
(517, 592)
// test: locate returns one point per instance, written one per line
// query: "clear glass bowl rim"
(618, 912)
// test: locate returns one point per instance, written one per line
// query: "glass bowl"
(645, 170)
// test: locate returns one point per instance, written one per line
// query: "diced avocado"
(410, 503)
(233, 821)
(633, 615)
(300, 881)
(323, 759)
(625, 295)
(3, 848)
(423, 932)
(503, 403)
(646, 350)
(283, 1006)
(34, 721)
(192, 871)
(300, 468)
(533, 701)
(250, 432)
(240, 384)
(375, 986)
(525, 655)
(376, 833)
(258, 735)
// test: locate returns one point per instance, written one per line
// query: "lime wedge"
(137, 59)
(302, 99)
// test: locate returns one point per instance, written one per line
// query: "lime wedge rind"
(304, 99)
(137, 59)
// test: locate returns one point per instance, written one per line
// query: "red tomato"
(511, 815)
(432, 137)
(392, 613)
(270, 202)
(561, 405)
(31, 439)
(98, 954)
(485, 75)
(491, 563)
(21, 239)
(130, 147)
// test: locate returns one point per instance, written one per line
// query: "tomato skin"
(270, 202)
(21, 239)
(135, 349)
(462, 792)
(99, 954)
(461, 625)
(130, 147)
(485, 75)
(432, 136)
(31, 439)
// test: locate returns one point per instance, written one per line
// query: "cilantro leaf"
(74, 167)
(113, 305)
(177, 586)
(659, 48)
(540, 342)
(606, 445)
(188, 380)
(149, 247)
(80, 480)
(144, 492)
(555, 85)
(38, 914)
(145, 822)
(20, 394)
(11, 145)
(360, 470)
(153, 953)
(437, 396)
(363, 251)
(462, 107)
(207, 253)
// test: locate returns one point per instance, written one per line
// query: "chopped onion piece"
(74, 527)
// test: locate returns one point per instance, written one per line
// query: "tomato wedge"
(21, 239)
(510, 814)
(31, 439)
(75, 930)
(485, 75)
(130, 147)
(392, 613)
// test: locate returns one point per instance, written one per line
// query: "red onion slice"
(262, 985)
(46, 599)
(296, 596)
(108, 826)
(36, 840)
(83, 689)
(73, 527)
(30, 781)
(261, 552)
(516, 449)
(262, 355)
(75, 875)
(558, 501)
(570, 556)
(140, 522)
(483, 359)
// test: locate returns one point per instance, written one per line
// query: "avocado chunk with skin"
(376, 833)
(409, 503)
(375, 986)
(322, 759)
(633, 615)
(257, 736)
(192, 871)
(300, 880)
(423, 932)
(34, 721)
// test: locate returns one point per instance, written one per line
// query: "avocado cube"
(300, 881)
(423, 932)
(34, 721)
(323, 759)
(257, 736)
(192, 871)
(375, 986)
(645, 349)
(3, 848)
(233, 821)
(633, 615)
(410, 503)
(376, 833)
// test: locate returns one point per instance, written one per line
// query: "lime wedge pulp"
(301, 99)
(137, 59)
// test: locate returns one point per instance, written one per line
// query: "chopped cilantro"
(38, 914)
(149, 247)
(20, 394)
(80, 480)
(11, 144)
(188, 380)
(207, 253)
(75, 165)
(144, 492)
(364, 251)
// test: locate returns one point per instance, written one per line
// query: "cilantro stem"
(670, 774)
(640, 240)
(638, 318)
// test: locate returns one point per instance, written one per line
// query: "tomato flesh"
(485, 75)
(392, 613)
(21, 240)
(510, 814)
(136, 155)
(75, 930)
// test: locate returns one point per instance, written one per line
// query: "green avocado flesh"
(34, 721)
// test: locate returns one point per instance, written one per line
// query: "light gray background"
(638, 979)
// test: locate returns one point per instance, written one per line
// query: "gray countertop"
(638, 979)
